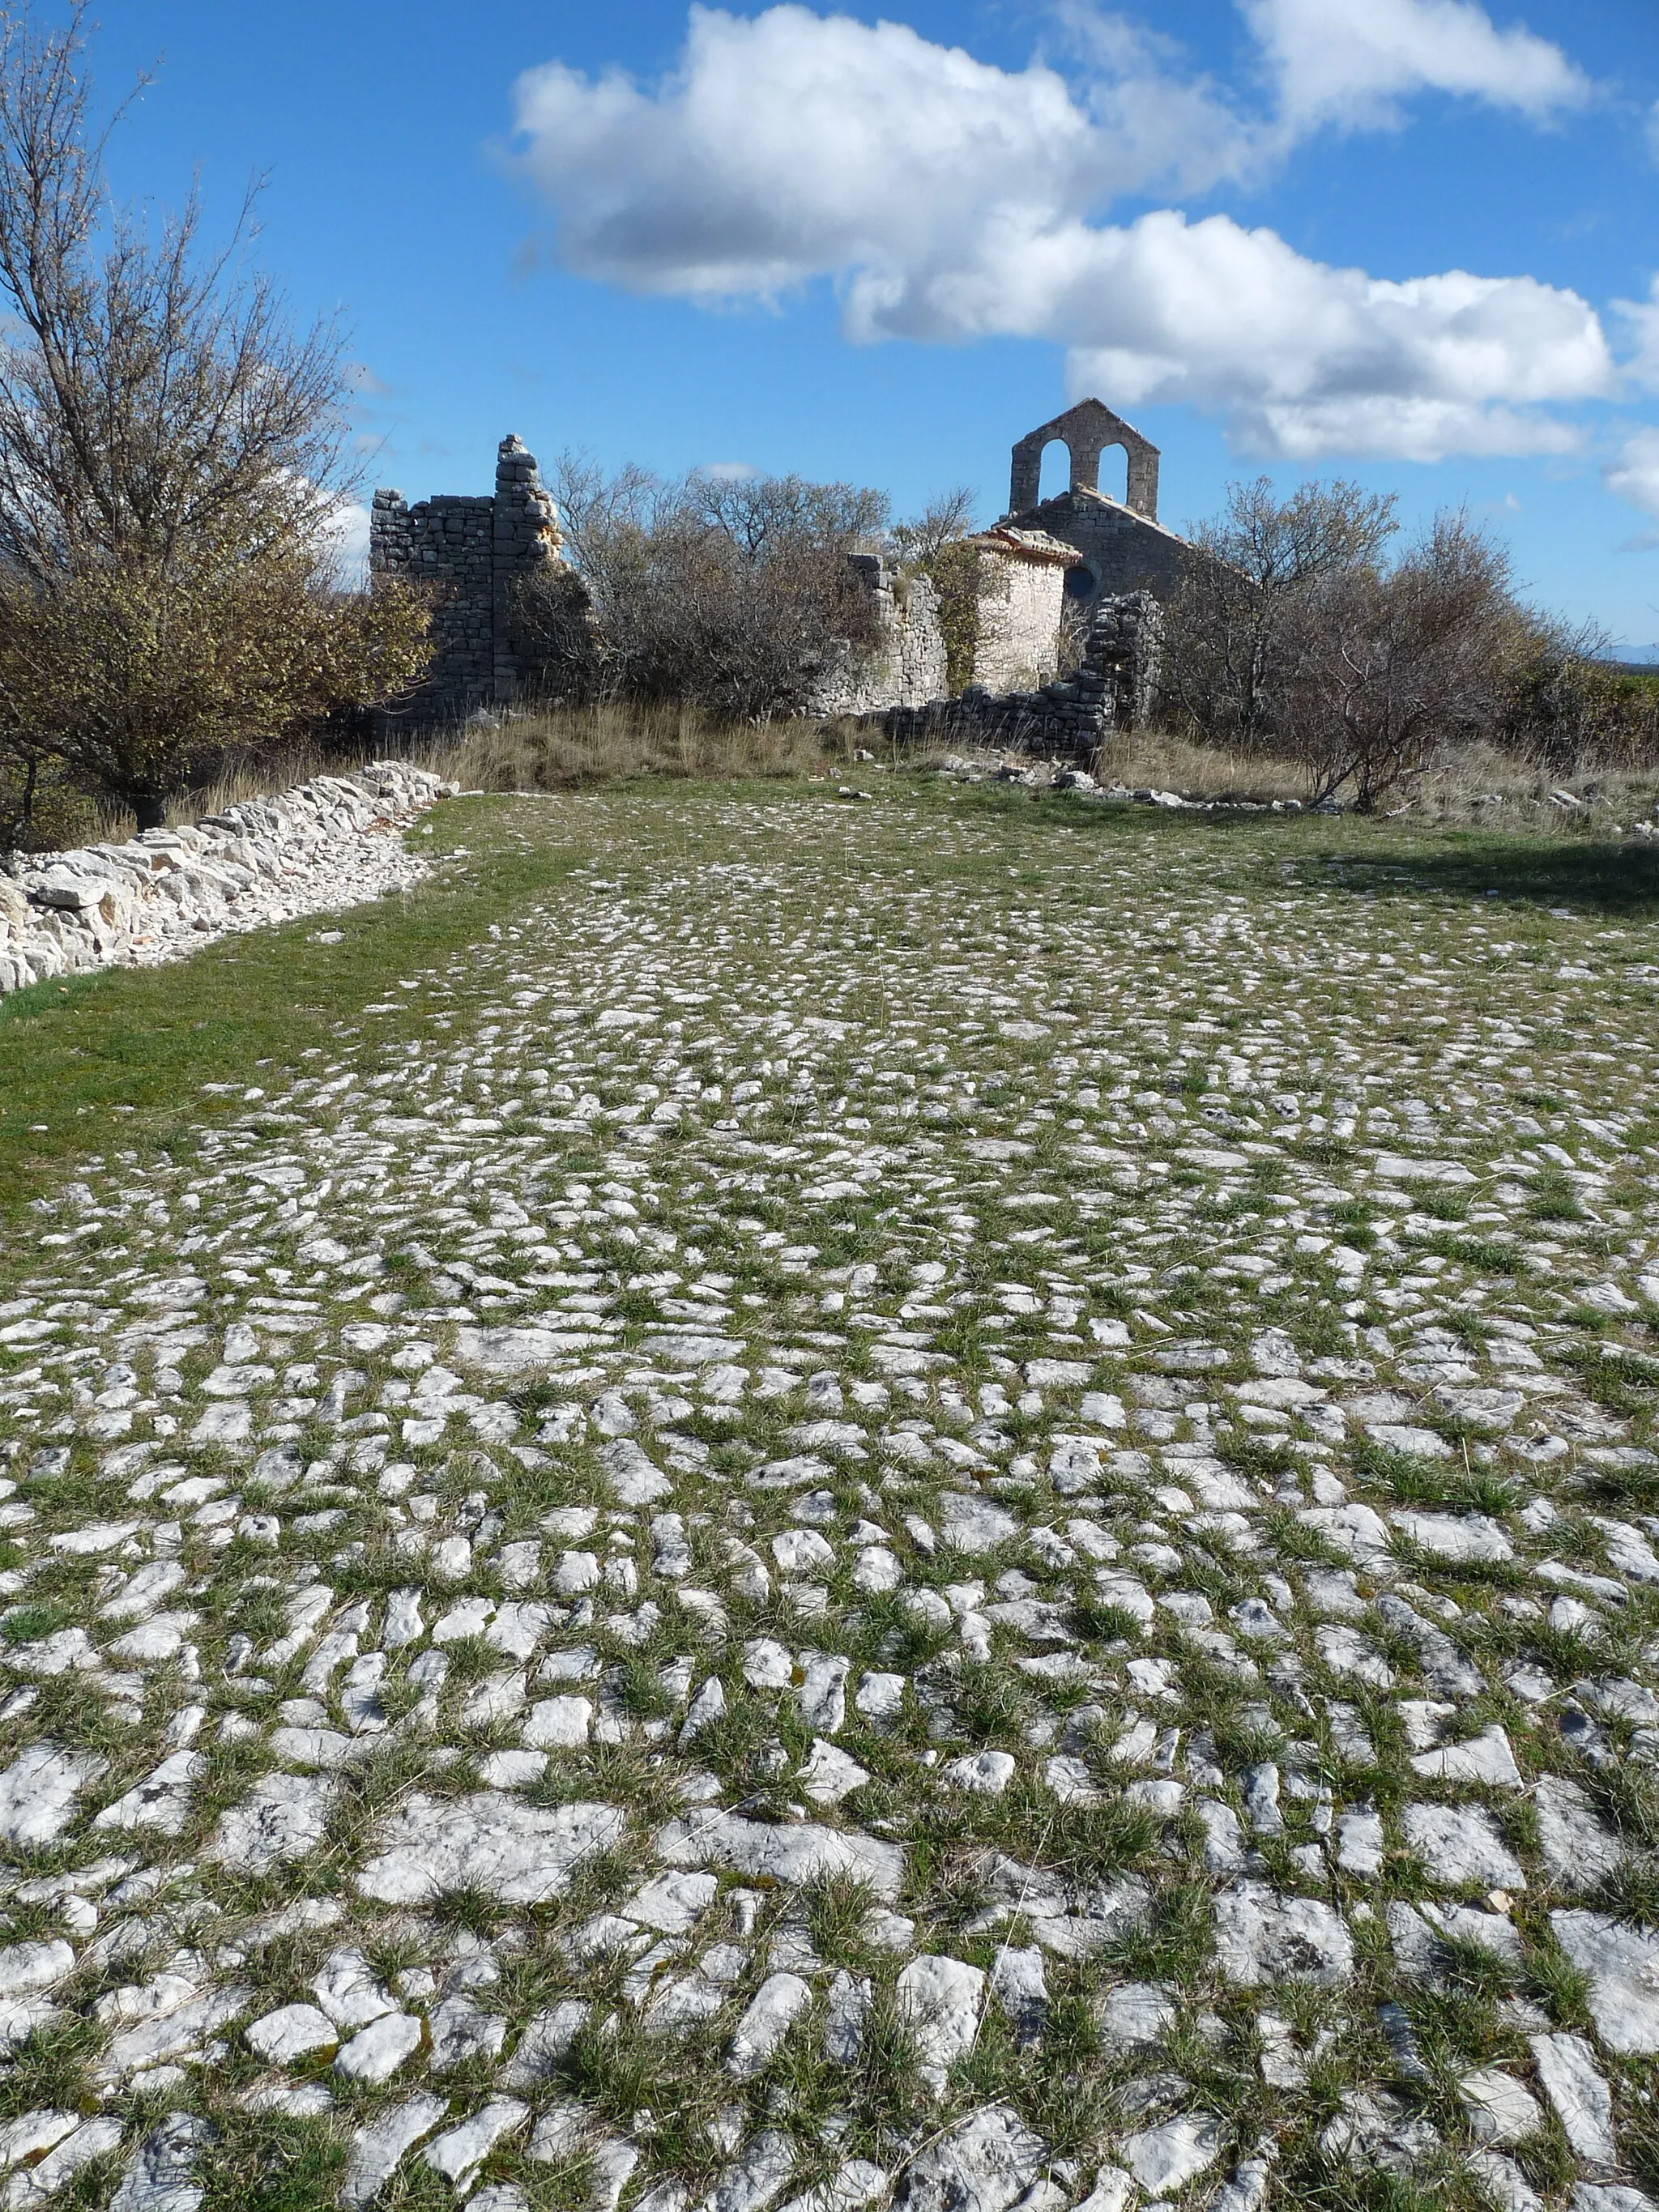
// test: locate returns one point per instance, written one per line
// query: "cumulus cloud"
(1308, 360)
(1641, 320)
(1351, 61)
(1635, 475)
(347, 529)
(950, 200)
(792, 144)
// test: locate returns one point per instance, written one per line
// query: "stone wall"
(1069, 718)
(907, 667)
(323, 845)
(1124, 546)
(1021, 598)
(1086, 431)
(476, 552)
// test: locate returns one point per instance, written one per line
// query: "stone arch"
(1045, 463)
(1086, 431)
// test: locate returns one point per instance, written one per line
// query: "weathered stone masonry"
(1124, 546)
(1084, 559)
(1104, 563)
(476, 551)
(1021, 594)
(1111, 689)
(906, 666)
(323, 845)
(1021, 599)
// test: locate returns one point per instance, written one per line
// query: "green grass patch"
(121, 1057)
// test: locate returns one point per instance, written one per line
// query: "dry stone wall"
(324, 845)
(908, 668)
(474, 552)
(1112, 689)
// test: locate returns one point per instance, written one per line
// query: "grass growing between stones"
(819, 1469)
(122, 1056)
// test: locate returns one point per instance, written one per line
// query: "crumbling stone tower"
(476, 551)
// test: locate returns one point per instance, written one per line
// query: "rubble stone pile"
(328, 843)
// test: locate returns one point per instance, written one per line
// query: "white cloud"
(1351, 62)
(793, 143)
(950, 200)
(1309, 360)
(347, 529)
(1635, 475)
(1641, 320)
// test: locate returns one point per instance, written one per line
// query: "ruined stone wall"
(1086, 431)
(1020, 605)
(906, 667)
(448, 542)
(1070, 719)
(474, 552)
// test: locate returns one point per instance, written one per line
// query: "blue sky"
(1412, 242)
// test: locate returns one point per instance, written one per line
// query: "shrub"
(955, 570)
(170, 479)
(42, 809)
(1234, 628)
(1388, 666)
(728, 597)
(1295, 634)
(135, 674)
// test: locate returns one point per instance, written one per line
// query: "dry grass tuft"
(1475, 786)
(556, 750)
(1480, 784)
(562, 747)
(1141, 758)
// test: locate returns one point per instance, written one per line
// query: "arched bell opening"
(1054, 477)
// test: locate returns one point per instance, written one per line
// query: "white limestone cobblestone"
(727, 1517)
(324, 845)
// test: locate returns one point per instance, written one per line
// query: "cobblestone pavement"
(856, 1522)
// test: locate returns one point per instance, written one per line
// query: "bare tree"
(163, 429)
(603, 518)
(727, 595)
(1230, 625)
(1391, 667)
(948, 517)
(1294, 630)
(768, 517)
(150, 392)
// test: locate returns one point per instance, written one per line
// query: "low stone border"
(1035, 776)
(324, 845)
